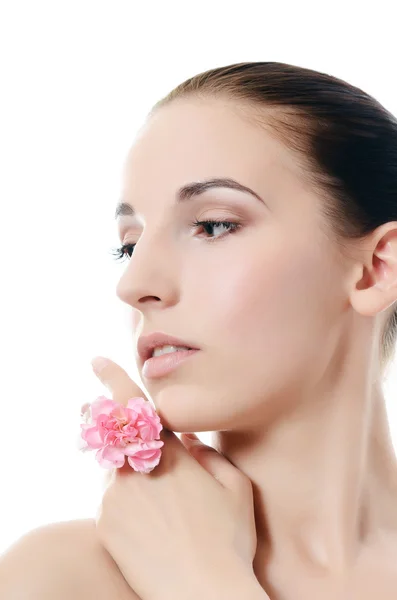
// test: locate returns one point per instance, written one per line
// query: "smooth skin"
(288, 323)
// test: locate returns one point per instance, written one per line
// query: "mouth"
(158, 344)
(159, 366)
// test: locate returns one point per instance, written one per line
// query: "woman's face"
(263, 302)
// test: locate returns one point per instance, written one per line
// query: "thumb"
(215, 463)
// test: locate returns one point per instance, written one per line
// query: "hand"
(189, 522)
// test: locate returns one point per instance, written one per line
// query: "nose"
(150, 279)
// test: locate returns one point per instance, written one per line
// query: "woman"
(278, 261)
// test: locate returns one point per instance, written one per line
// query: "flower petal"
(102, 405)
(147, 464)
(110, 457)
(136, 402)
(132, 448)
(92, 437)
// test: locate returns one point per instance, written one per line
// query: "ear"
(376, 288)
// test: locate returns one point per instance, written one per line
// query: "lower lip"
(161, 365)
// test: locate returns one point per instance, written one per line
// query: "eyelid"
(125, 232)
(221, 206)
(223, 214)
(212, 211)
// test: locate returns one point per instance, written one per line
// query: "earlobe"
(371, 301)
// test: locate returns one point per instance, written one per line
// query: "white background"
(77, 79)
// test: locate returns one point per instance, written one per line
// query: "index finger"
(119, 383)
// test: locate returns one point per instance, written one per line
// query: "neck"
(323, 476)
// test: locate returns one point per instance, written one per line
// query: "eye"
(212, 224)
(122, 252)
(230, 226)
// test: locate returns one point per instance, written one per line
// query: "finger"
(215, 463)
(117, 381)
(122, 387)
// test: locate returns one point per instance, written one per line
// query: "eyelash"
(121, 252)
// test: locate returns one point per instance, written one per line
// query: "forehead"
(190, 139)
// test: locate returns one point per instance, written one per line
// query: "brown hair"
(344, 137)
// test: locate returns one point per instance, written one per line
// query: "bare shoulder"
(61, 560)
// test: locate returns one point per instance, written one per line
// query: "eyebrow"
(191, 190)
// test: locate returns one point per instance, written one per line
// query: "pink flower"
(118, 431)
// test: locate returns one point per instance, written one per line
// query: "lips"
(160, 366)
(147, 343)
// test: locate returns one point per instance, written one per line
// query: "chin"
(182, 410)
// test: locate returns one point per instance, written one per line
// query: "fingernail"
(191, 436)
(98, 363)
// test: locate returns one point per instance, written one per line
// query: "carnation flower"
(118, 431)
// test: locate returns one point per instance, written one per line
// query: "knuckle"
(243, 482)
(199, 447)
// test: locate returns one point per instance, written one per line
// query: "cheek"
(269, 301)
